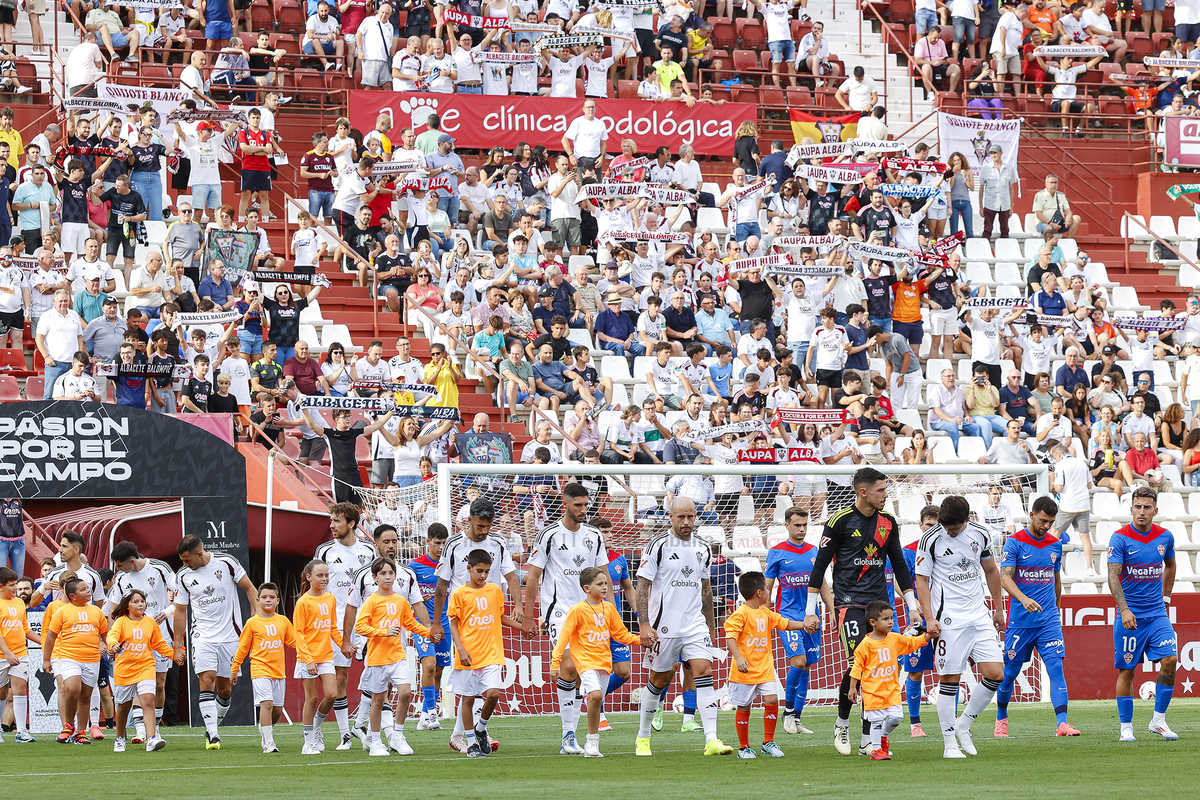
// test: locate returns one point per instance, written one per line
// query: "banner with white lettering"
(758, 262)
(946, 244)
(392, 168)
(379, 404)
(456, 17)
(480, 121)
(817, 416)
(914, 165)
(631, 166)
(828, 174)
(179, 372)
(622, 191)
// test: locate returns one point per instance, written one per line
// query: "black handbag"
(1058, 218)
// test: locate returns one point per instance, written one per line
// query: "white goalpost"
(632, 499)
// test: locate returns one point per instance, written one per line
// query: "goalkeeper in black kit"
(858, 542)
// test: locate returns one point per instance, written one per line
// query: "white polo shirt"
(61, 333)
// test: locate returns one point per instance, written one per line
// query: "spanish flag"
(823, 130)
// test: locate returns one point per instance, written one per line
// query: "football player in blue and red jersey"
(433, 657)
(1031, 573)
(790, 562)
(1141, 565)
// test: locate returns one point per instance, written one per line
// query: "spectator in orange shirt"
(1043, 20)
(906, 309)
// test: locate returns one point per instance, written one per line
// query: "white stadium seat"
(1163, 226)
(979, 250)
(1008, 250)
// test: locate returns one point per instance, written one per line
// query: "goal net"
(740, 526)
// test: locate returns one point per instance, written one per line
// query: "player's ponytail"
(122, 609)
(305, 583)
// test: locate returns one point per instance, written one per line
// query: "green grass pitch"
(1033, 763)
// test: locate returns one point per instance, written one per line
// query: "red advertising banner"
(1087, 629)
(1182, 141)
(483, 121)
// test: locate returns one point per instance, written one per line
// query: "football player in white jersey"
(156, 580)
(362, 586)
(560, 553)
(452, 572)
(70, 558)
(208, 584)
(675, 609)
(953, 559)
(344, 556)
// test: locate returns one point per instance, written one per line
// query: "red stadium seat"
(771, 96)
(338, 83)
(12, 362)
(10, 392)
(310, 85)
(1139, 46)
(744, 94)
(799, 97)
(286, 42)
(745, 61)
(290, 17)
(261, 17)
(800, 30)
(157, 75)
(724, 34)
(901, 11)
(35, 387)
(750, 33)
(627, 90)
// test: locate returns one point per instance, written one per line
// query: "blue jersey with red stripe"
(426, 571)
(1035, 562)
(1142, 557)
(618, 570)
(791, 565)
